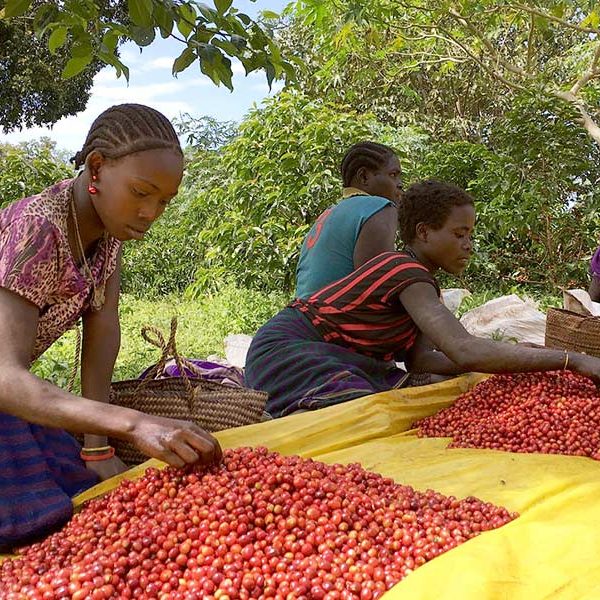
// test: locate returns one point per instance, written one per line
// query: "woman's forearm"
(30, 398)
(487, 356)
(433, 361)
(100, 350)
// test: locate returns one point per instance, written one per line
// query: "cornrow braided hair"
(429, 202)
(371, 155)
(127, 128)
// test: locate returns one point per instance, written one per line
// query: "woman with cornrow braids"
(60, 254)
(362, 225)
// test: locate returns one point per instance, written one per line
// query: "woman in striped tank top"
(344, 340)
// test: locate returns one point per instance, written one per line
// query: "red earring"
(92, 189)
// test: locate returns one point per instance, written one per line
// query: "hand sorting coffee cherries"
(261, 525)
(555, 412)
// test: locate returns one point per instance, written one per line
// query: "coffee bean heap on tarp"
(555, 412)
(261, 525)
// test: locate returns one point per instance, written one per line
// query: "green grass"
(201, 330)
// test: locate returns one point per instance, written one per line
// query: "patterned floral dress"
(40, 468)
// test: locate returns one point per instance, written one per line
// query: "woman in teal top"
(361, 226)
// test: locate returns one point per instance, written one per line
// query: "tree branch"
(489, 46)
(586, 119)
(433, 61)
(590, 74)
(493, 72)
(539, 13)
(530, 42)
(449, 38)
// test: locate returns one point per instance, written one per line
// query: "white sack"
(507, 318)
(579, 301)
(453, 297)
(236, 349)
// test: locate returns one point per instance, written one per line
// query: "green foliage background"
(277, 176)
(224, 254)
(28, 168)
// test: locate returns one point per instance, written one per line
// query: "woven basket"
(210, 405)
(570, 331)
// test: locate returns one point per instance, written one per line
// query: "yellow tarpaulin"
(551, 551)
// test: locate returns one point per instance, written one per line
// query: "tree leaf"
(226, 46)
(111, 59)
(269, 14)
(202, 35)
(186, 20)
(140, 12)
(225, 72)
(45, 16)
(75, 65)
(270, 71)
(184, 60)
(110, 41)
(82, 46)
(592, 20)
(223, 5)
(210, 14)
(142, 36)
(209, 57)
(165, 20)
(57, 39)
(15, 8)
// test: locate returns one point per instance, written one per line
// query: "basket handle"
(169, 349)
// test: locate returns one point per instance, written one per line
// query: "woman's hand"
(105, 469)
(175, 442)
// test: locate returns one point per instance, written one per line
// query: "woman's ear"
(362, 175)
(94, 162)
(422, 231)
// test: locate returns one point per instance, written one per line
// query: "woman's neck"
(91, 228)
(418, 253)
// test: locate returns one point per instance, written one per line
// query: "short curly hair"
(429, 202)
(371, 155)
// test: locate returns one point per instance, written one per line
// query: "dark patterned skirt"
(289, 360)
(40, 470)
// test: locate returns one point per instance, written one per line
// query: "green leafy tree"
(32, 91)
(450, 65)
(205, 132)
(28, 168)
(278, 175)
(209, 36)
(536, 188)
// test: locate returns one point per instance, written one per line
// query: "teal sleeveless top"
(328, 250)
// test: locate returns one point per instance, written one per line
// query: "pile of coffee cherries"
(261, 525)
(554, 412)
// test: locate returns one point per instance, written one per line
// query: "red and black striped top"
(363, 311)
